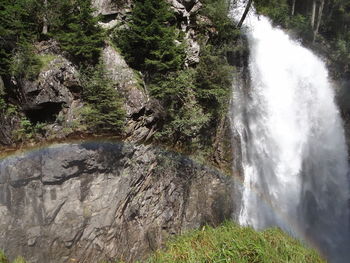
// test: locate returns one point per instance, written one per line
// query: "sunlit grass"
(231, 243)
(4, 259)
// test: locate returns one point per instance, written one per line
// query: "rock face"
(101, 201)
(125, 79)
(113, 11)
(143, 113)
(54, 89)
(186, 11)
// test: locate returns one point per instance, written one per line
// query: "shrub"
(17, 24)
(25, 63)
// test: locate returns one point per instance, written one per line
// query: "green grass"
(45, 60)
(4, 259)
(230, 243)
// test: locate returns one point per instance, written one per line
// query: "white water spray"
(293, 147)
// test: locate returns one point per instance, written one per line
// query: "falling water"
(294, 155)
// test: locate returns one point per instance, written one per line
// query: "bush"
(4, 259)
(25, 63)
(17, 25)
(28, 130)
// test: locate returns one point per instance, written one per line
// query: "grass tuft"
(232, 243)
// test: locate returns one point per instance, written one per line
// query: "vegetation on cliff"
(24, 24)
(195, 98)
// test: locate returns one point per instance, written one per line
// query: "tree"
(149, 40)
(104, 110)
(45, 20)
(319, 17)
(77, 31)
(17, 25)
(245, 13)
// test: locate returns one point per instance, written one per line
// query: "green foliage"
(104, 112)
(45, 59)
(300, 24)
(25, 63)
(28, 130)
(148, 40)
(232, 243)
(277, 10)
(185, 117)
(213, 79)
(19, 260)
(77, 30)
(217, 11)
(17, 24)
(4, 259)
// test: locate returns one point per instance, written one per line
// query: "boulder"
(93, 201)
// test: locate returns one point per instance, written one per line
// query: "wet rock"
(101, 201)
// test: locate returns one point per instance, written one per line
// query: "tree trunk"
(245, 13)
(45, 23)
(313, 14)
(293, 8)
(319, 18)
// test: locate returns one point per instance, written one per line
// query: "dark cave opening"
(46, 112)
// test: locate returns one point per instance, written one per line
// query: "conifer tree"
(17, 25)
(77, 31)
(104, 111)
(149, 42)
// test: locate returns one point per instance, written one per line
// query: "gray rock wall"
(101, 201)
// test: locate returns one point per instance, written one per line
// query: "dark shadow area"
(46, 112)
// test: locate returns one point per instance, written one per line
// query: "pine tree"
(104, 111)
(17, 25)
(77, 31)
(149, 42)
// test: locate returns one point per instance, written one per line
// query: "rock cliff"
(95, 201)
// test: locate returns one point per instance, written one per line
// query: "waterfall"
(294, 156)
